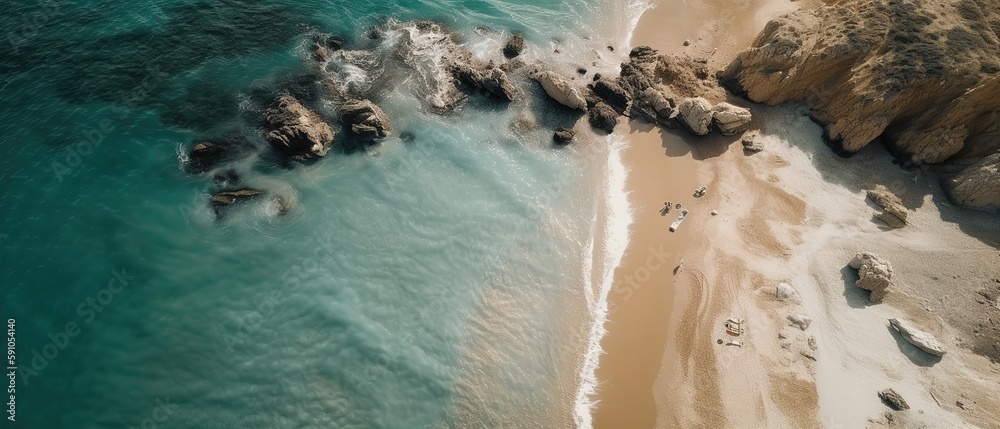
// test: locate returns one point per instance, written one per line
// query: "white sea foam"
(617, 219)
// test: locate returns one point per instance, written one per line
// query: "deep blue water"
(439, 281)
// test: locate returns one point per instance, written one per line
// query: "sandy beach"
(795, 213)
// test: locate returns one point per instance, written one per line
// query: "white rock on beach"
(874, 274)
(561, 89)
(696, 115)
(923, 340)
(731, 120)
(785, 292)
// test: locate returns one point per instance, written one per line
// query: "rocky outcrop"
(730, 120)
(893, 400)
(923, 340)
(921, 75)
(563, 136)
(874, 274)
(295, 130)
(602, 117)
(366, 121)
(487, 77)
(978, 186)
(514, 46)
(561, 89)
(613, 94)
(653, 106)
(696, 115)
(893, 211)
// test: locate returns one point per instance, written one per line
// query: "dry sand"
(795, 213)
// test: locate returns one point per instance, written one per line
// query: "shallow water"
(440, 281)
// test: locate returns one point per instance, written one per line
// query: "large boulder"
(602, 117)
(296, 130)
(696, 115)
(978, 186)
(874, 274)
(561, 89)
(365, 120)
(923, 340)
(893, 213)
(514, 46)
(730, 120)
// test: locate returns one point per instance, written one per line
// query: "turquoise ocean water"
(448, 279)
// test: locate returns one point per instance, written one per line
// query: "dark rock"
(205, 155)
(563, 136)
(581, 70)
(322, 54)
(295, 130)
(892, 400)
(613, 94)
(611, 48)
(365, 120)
(334, 44)
(602, 117)
(597, 77)
(227, 198)
(488, 78)
(514, 46)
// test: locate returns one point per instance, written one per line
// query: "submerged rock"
(296, 130)
(365, 120)
(205, 155)
(514, 46)
(561, 89)
(875, 275)
(227, 198)
(602, 117)
(923, 340)
(563, 136)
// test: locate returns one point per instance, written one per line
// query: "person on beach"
(665, 209)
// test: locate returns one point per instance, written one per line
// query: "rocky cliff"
(923, 75)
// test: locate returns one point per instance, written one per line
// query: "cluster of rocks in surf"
(336, 104)
(658, 89)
